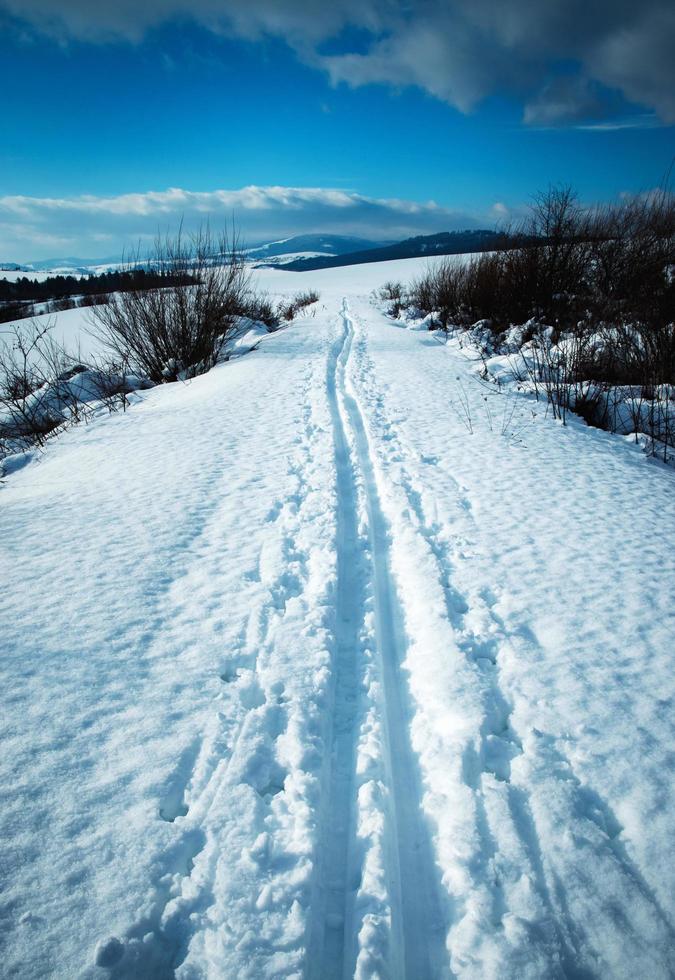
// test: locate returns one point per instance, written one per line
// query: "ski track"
(411, 925)
(409, 938)
(417, 914)
(330, 951)
(398, 925)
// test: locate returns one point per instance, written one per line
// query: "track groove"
(330, 952)
(417, 919)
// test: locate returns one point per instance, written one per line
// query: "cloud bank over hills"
(34, 227)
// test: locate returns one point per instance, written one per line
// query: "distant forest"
(55, 287)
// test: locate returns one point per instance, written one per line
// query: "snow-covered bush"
(563, 266)
(290, 308)
(577, 305)
(260, 309)
(394, 294)
(43, 388)
(576, 372)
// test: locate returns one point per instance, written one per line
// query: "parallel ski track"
(418, 926)
(332, 950)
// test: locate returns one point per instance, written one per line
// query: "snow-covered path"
(326, 665)
(412, 925)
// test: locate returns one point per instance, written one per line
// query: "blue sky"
(116, 108)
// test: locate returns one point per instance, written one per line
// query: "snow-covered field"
(71, 329)
(324, 665)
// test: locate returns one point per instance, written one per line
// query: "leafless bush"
(44, 388)
(289, 309)
(463, 292)
(394, 293)
(165, 331)
(29, 359)
(461, 406)
(262, 310)
(596, 288)
(64, 303)
(93, 299)
(558, 369)
(37, 395)
(564, 265)
(539, 271)
(15, 311)
(441, 290)
(631, 258)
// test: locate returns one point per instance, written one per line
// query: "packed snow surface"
(333, 663)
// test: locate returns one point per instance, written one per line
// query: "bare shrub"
(462, 406)
(93, 299)
(164, 331)
(65, 303)
(594, 291)
(15, 311)
(30, 364)
(289, 309)
(44, 388)
(442, 290)
(605, 265)
(632, 254)
(394, 293)
(262, 310)
(564, 265)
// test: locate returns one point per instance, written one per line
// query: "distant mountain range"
(444, 243)
(329, 245)
(302, 253)
(69, 263)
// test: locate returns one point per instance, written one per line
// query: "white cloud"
(33, 227)
(647, 120)
(457, 50)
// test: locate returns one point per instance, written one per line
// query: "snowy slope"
(319, 666)
(344, 281)
(70, 328)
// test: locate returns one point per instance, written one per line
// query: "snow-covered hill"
(332, 663)
(307, 246)
(276, 252)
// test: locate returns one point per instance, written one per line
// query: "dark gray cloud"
(34, 228)
(569, 100)
(460, 51)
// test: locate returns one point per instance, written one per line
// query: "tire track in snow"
(418, 925)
